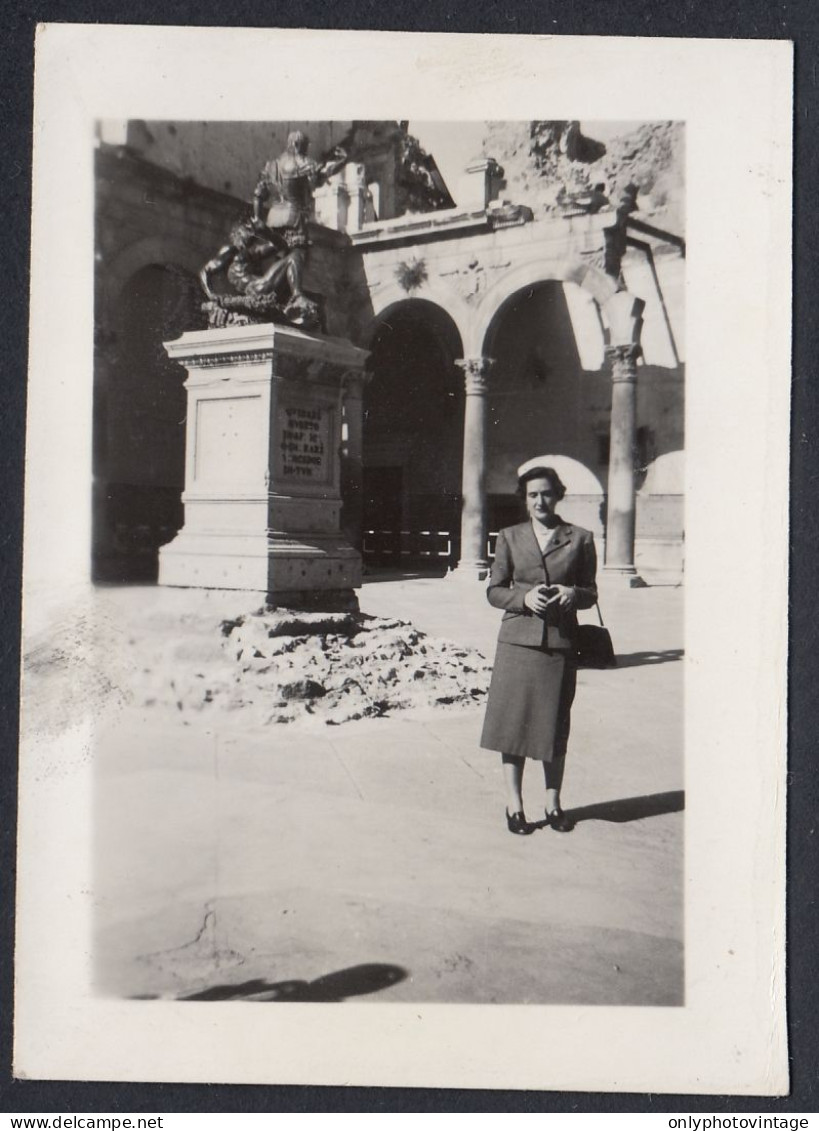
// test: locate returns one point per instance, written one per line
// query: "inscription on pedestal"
(262, 486)
(302, 444)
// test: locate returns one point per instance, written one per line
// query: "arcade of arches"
(448, 414)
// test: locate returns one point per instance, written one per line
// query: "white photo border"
(730, 1037)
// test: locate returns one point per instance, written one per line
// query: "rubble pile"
(277, 666)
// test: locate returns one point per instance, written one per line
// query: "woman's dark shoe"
(518, 824)
(559, 821)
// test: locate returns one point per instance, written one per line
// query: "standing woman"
(544, 570)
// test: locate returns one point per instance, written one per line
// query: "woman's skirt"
(528, 712)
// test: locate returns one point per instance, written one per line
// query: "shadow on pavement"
(367, 978)
(637, 659)
(375, 576)
(632, 808)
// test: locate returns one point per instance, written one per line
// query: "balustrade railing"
(401, 549)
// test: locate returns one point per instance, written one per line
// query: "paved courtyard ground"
(370, 861)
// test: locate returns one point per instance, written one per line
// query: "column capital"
(476, 374)
(623, 361)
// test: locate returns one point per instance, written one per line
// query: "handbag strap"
(599, 614)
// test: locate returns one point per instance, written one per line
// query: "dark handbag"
(593, 645)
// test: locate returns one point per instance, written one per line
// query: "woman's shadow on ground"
(368, 978)
(638, 659)
(631, 808)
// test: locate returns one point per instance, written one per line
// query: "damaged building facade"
(530, 306)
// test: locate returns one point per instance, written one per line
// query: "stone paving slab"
(453, 957)
(371, 860)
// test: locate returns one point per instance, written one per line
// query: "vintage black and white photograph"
(351, 425)
(380, 669)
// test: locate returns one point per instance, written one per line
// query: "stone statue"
(243, 260)
(283, 200)
(263, 262)
(256, 263)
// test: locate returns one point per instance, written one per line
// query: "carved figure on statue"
(264, 277)
(242, 259)
(283, 199)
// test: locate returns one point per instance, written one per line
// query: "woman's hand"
(563, 596)
(536, 600)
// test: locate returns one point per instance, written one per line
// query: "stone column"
(624, 314)
(352, 461)
(473, 563)
(621, 486)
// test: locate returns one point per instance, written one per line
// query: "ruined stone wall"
(546, 161)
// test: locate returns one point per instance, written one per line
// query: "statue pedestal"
(263, 465)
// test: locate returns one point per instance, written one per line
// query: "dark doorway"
(383, 515)
(413, 438)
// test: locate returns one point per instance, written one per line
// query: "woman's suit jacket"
(569, 558)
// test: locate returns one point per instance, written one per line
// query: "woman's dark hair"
(541, 473)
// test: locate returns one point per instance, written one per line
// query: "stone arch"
(577, 478)
(447, 300)
(585, 496)
(424, 305)
(665, 475)
(161, 251)
(489, 304)
(584, 310)
(412, 434)
(538, 400)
